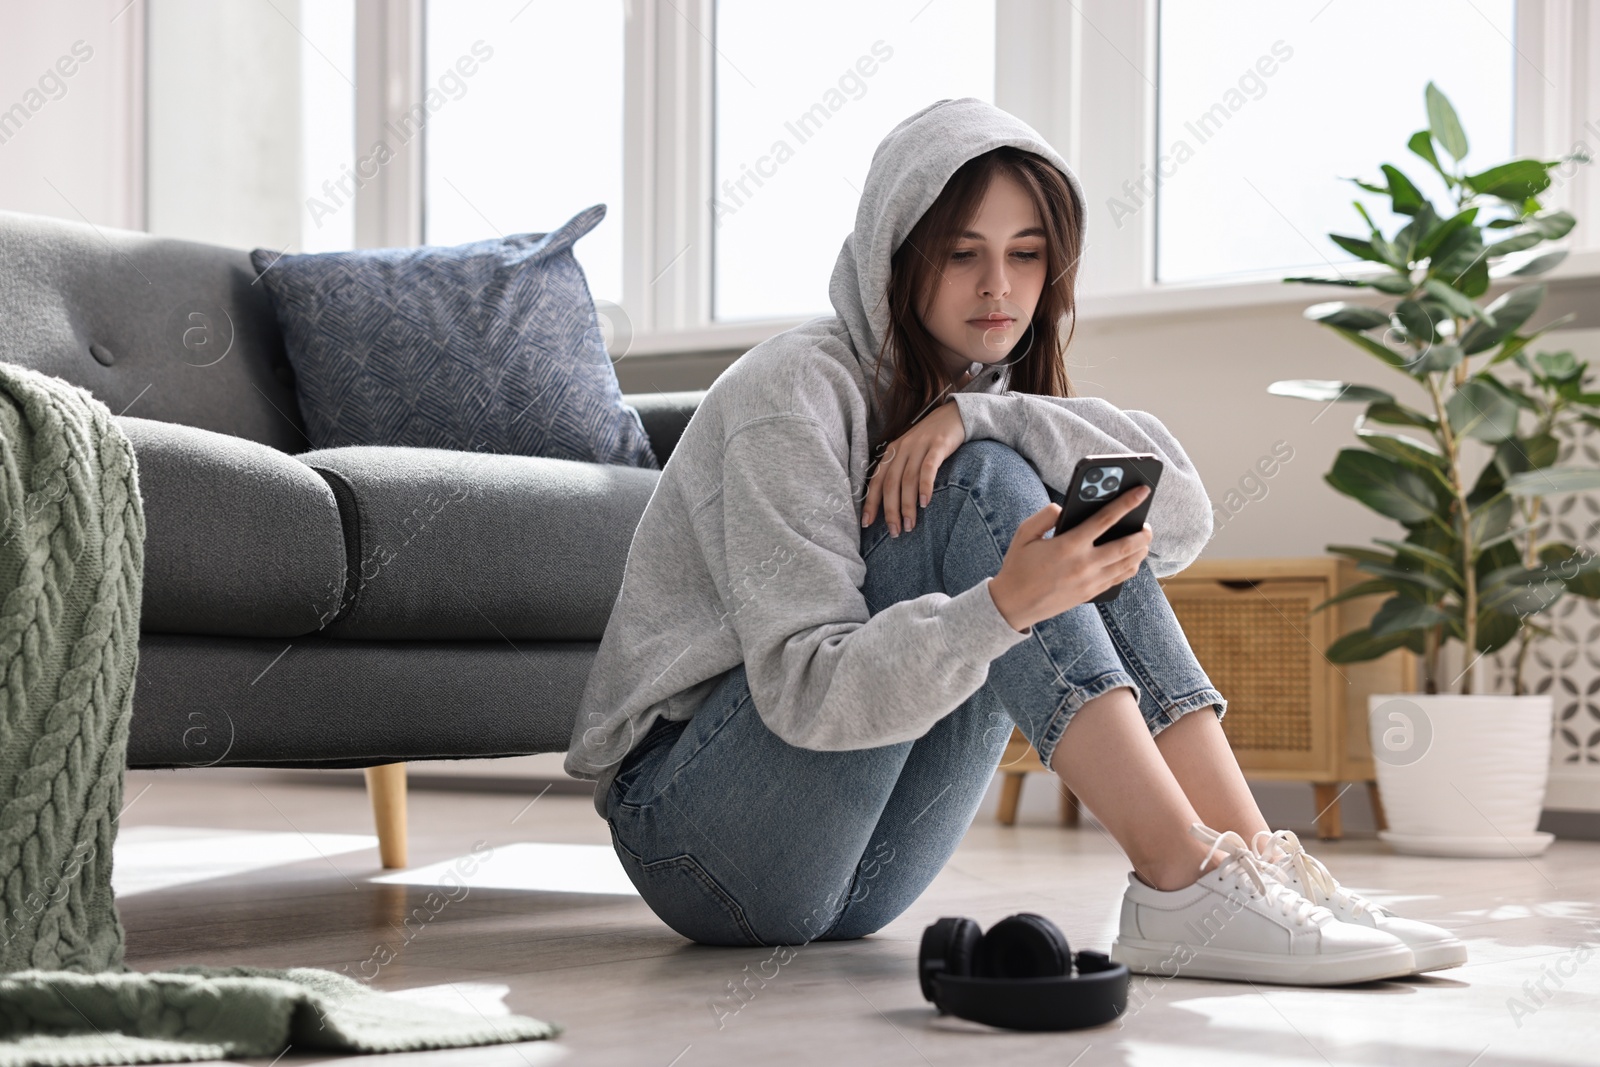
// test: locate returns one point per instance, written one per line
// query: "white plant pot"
(1462, 774)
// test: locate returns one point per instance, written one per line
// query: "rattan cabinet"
(1292, 714)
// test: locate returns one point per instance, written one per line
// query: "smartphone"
(1096, 481)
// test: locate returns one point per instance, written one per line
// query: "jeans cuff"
(1076, 699)
(1202, 698)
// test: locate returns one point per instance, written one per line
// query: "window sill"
(1269, 289)
(1261, 291)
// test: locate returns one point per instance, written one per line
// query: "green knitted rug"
(71, 570)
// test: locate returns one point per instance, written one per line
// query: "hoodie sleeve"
(1054, 432)
(823, 674)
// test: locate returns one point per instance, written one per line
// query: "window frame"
(1107, 136)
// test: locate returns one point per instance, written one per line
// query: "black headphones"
(1018, 975)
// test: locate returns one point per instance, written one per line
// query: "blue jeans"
(735, 837)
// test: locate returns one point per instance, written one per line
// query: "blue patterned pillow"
(492, 346)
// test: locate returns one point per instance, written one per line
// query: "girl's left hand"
(905, 473)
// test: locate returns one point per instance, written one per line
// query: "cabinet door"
(1262, 649)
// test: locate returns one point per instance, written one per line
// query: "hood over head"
(909, 170)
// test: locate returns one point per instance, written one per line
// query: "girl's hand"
(905, 473)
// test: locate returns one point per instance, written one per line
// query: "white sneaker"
(1241, 922)
(1434, 947)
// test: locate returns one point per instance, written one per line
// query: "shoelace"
(1290, 902)
(1313, 875)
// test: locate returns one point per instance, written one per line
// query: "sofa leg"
(386, 785)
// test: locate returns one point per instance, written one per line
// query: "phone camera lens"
(1110, 484)
(1092, 474)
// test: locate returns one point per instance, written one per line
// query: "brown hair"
(920, 381)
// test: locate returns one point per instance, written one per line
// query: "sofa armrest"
(664, 416)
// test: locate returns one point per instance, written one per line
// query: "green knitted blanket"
(71, 571)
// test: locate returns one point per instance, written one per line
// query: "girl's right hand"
(1043, 576)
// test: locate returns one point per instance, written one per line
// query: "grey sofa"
(346, 607)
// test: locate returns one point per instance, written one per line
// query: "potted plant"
(1459, 773)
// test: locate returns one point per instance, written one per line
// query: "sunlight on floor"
(531, 865)
(147, 858)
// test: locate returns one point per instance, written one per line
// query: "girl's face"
(984, 296)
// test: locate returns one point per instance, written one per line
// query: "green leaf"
(1402, 193)
(1417, 582)
(1443, 123)
(1402, 613)
(1459, 255)
(1456, 302)
(1473, 281)
(1422, 144)
(1515, 343)
(1360, 645)
(1553, 225)
(1411, 233)
(1420, 325)
(1559, 366)
(1360, 589)
(1501, 318)
(1416, 455)
(1492, 519)
(1512, 392)
(1437, 358)
(1396, 284)
(1579, 569)
(1410, 448)
(1530, 453)
(1422, 552)
(1479, 410)
(1496, 630)
(1360, 554)
(1359, 247)
(1347, 316)
(1353, 282)
(1361, 209)
(1437, 235)
(1382, 351)
(1516, 589)
(1530, 266)
(1502, 552)
(1325, 391)
(1389, 250)
(1383, 485)
(1553, 481)
(1399, 415)
(1491, 483)
(1517, 242)
(1515, 181)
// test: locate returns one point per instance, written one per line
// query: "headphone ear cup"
(947, 948)
(1090, 961)
(1024, 945)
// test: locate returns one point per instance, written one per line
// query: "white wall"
(71, 144)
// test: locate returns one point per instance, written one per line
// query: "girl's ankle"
(1173, 877)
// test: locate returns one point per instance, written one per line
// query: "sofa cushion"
(449, 544)
(492, 346)
(240, 538)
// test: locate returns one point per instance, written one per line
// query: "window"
(1265, 107)
(802, 94)
(524, 128)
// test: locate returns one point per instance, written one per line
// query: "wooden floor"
(238, 868)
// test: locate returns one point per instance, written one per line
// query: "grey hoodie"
(749, 548)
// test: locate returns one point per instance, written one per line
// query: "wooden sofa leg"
(1010, 795)
(386, 785)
